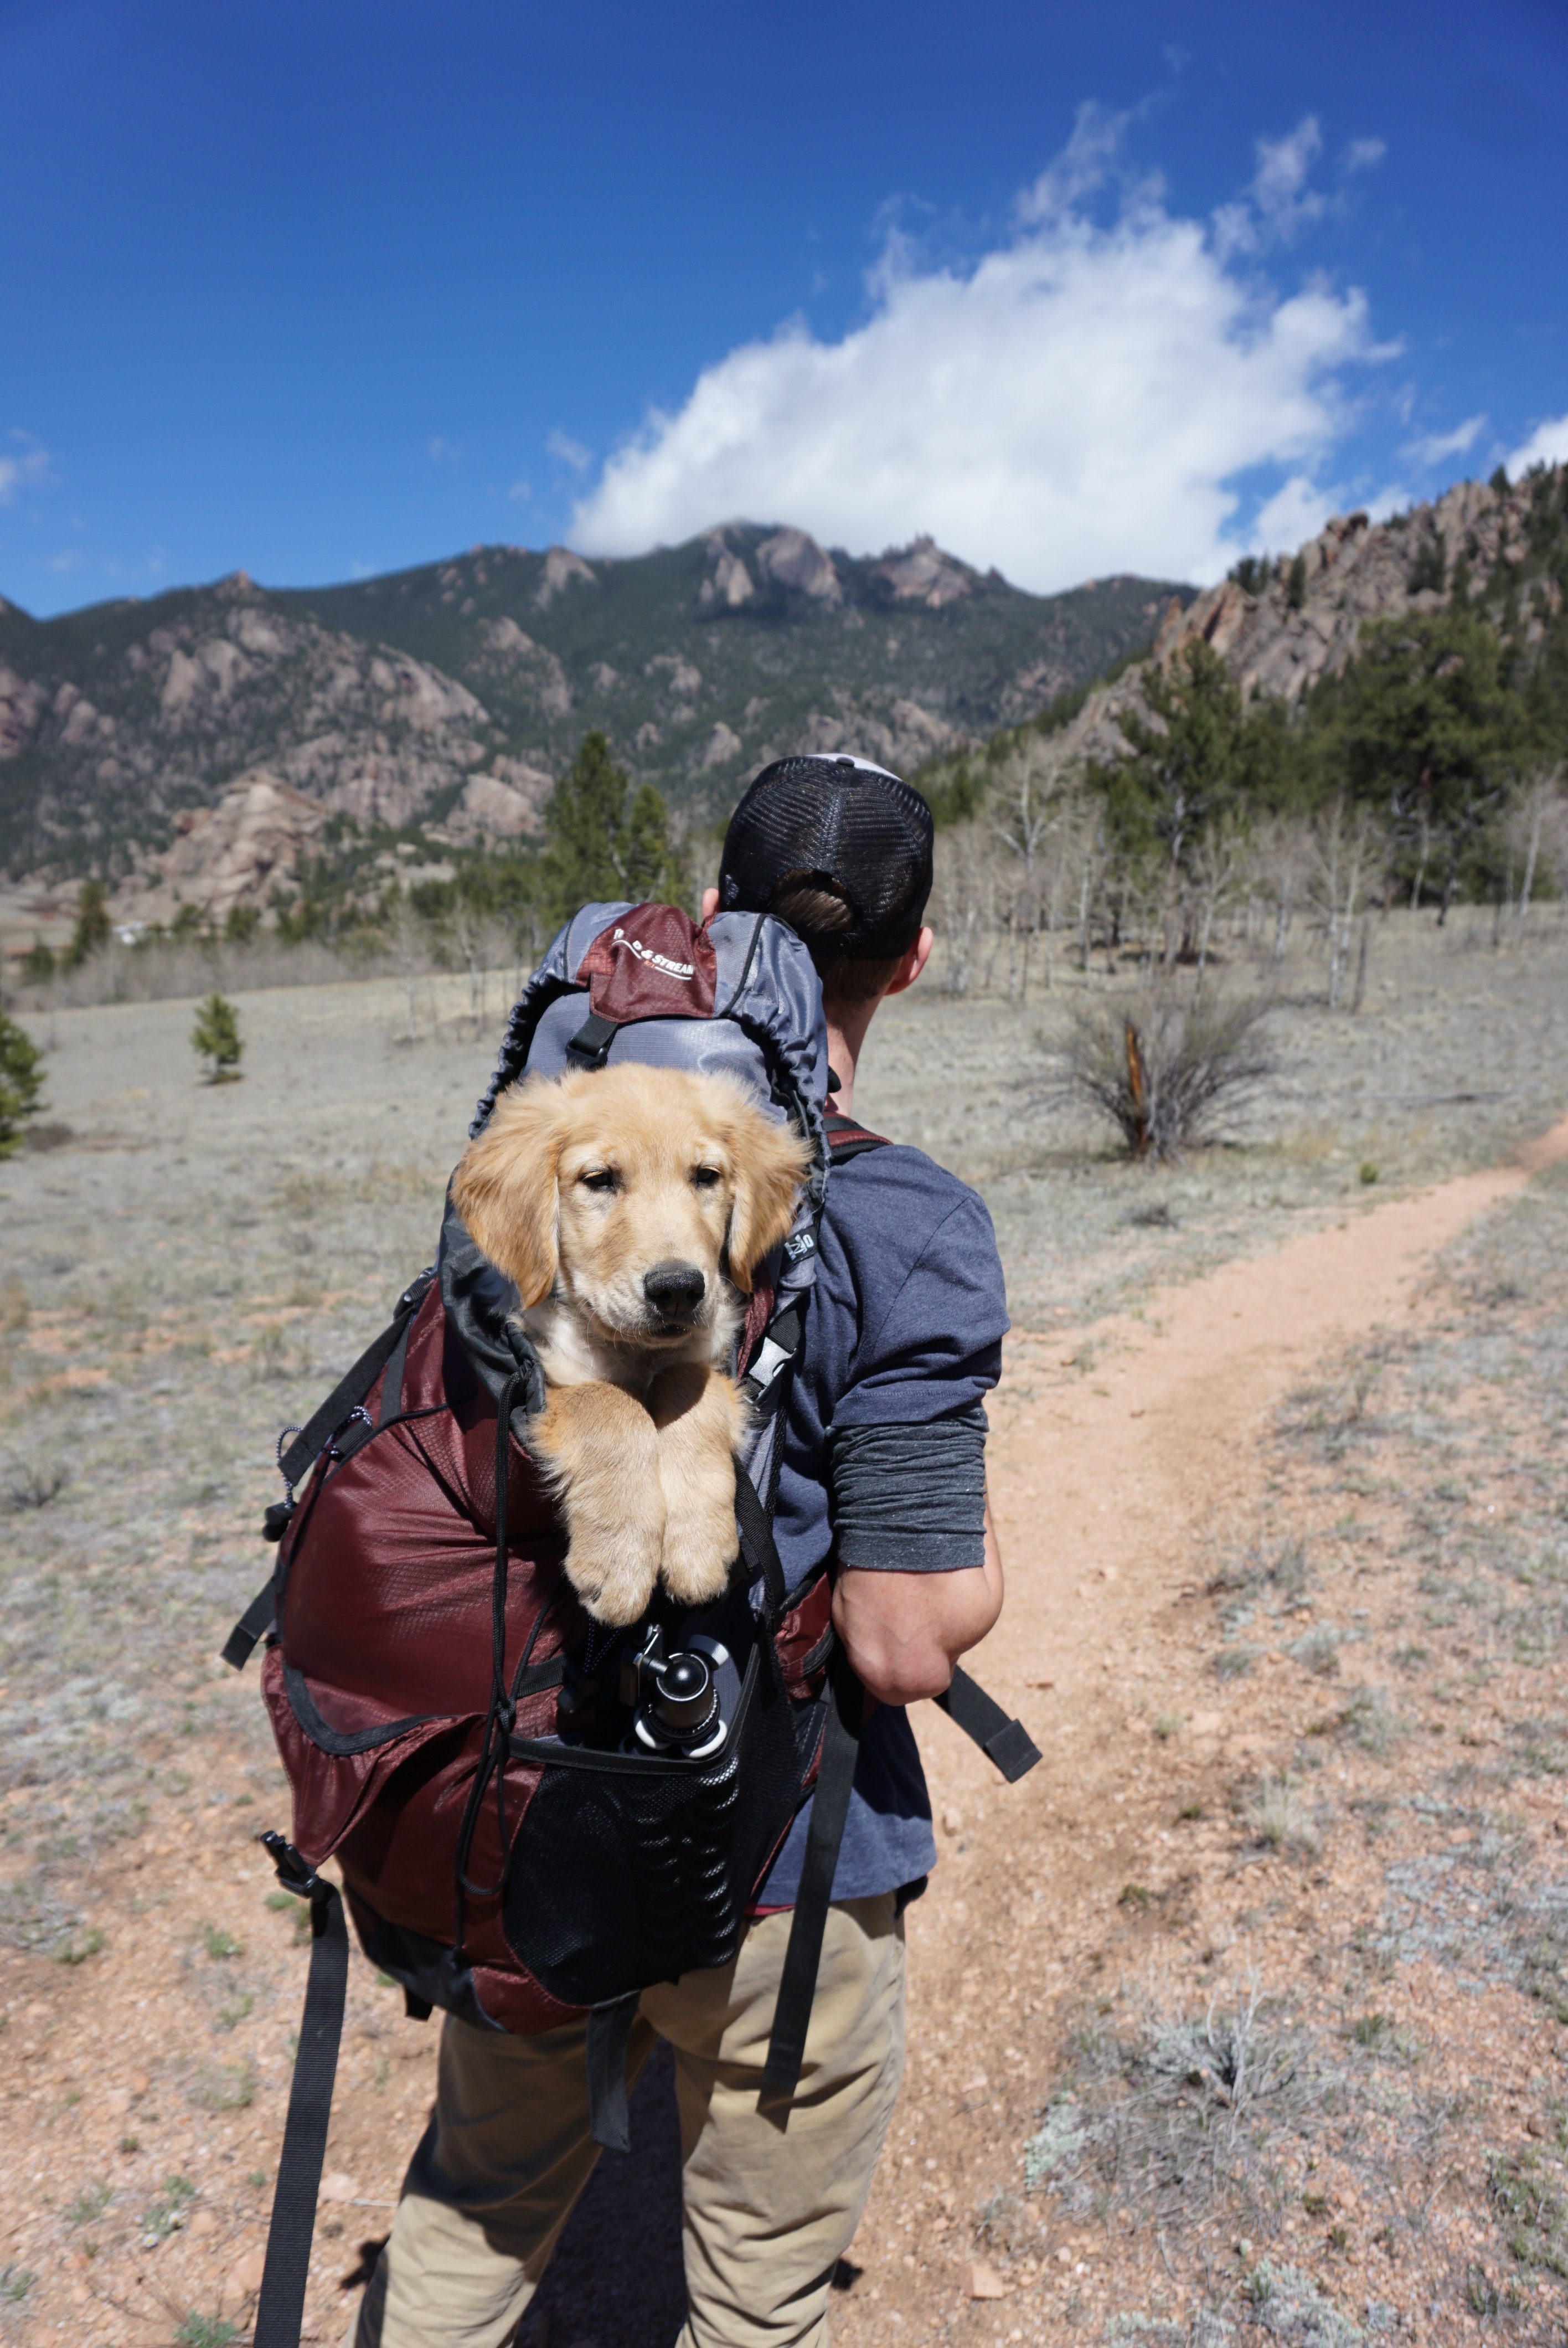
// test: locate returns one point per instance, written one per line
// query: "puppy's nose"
(674, 1287)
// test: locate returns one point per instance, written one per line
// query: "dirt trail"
(1119, 1467)
(1102, 1483)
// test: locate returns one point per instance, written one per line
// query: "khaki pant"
(769, 2209)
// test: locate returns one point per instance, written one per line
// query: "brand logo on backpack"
(681, 970)
(653, 964)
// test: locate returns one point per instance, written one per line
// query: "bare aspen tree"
(1344, 842)
(408, 945)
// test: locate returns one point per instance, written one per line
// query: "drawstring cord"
(502, 1706)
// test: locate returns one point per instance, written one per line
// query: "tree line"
(1430, 771)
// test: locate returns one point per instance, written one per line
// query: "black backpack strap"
(351, 1390)
(1006, 1742)
(590, 1047)
(846, 1137)
(829, 1811)
(754, 1522)
(609, 2037)
(389, 1352)
(252, 1625)
(281, 2306)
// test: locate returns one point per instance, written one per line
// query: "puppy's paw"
(614, 1581)
(701, 1545)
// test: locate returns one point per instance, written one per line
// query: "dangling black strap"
(1006, 1742)
(829, 1810)
(281, 2307)
(609, 2037)
(252, 1625)
(590, 1047)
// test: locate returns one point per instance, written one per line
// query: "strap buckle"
(295, 1872)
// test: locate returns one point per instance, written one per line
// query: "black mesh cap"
(841, 820)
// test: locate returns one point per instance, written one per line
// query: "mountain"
(1281, 626)
(133, 734)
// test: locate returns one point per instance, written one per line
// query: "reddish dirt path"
(1114, 1475)
(1127, 1467)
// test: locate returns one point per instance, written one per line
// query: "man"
(883, 1465)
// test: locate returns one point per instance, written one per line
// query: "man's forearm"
(903, 1633)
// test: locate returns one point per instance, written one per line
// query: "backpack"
(535, 1815)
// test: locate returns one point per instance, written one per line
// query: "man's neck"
(847, 1026)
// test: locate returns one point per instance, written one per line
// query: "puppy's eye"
(704, 1177)
(603, 1178)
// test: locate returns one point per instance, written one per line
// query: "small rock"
(1107, 1572)
(1064, 2258)
(952, 1821)
(118, 2101)
(975, 2086)
(203, 2224)
(981, 2282)
(138, 2082)
(336, 2185)
(244, 2281)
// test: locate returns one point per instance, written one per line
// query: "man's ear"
(506, 1186)
(771, 1163)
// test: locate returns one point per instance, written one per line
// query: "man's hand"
(904, 1631)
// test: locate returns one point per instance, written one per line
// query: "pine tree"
(1295, 587)
(216, 1037)
(601, 840)
(93, 929)
(20, 1083)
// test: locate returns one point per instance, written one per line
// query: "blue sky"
(322, 289)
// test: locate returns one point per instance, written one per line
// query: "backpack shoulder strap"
(389, 1352)
(847, 1138)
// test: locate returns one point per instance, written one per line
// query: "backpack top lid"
(738, 997)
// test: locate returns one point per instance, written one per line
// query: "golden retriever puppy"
(630, 1207)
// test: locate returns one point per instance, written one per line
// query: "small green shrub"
(218, 1943)
(88, 2206)
(199, 2331)
(20, 1084)
(216, 1038)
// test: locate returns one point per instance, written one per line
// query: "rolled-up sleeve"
(906, 1480)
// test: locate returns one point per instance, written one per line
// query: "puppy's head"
(632, 1193)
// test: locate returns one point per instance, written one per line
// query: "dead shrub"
(1172, 2114)
(1161, 1065)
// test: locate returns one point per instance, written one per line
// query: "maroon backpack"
(535, 1816)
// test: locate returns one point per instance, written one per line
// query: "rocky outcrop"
(234, 853)
(792, 559)
(1281, 626)
(921, 574)
(562, 570)
(494, 808)
(21, 706)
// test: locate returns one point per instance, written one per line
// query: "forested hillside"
(1382, 714)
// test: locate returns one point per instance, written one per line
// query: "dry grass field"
(1245, 2016)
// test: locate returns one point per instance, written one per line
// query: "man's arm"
(903, 1633)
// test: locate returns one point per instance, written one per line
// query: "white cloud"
(1080, 401)
(443, 452)
(520, 492)
(1297, 511)
(1365, 154)
(21, 471)
(570, 451)
(1547, 445)
(1433, 447)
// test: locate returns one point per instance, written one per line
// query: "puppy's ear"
(506, 1186)
(769, 1163)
